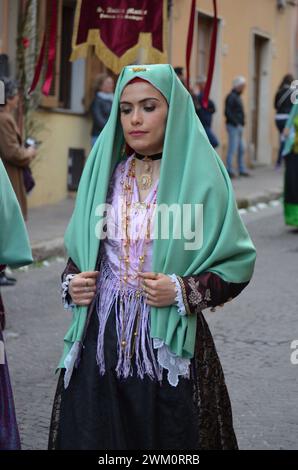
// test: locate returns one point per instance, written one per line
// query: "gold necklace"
(127, 190)
(145, 179)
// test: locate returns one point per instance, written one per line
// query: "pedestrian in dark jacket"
(235, 121)
(102, 104)
(283, 106)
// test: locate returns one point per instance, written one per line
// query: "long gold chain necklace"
(127, 182)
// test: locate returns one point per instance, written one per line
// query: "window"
(71, 88)
(66, 69)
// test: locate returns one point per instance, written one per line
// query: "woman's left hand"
(159, 289)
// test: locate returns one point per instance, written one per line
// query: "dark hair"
(287, 80)
(11, 88)
(178, 70)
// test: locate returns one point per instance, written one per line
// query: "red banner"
(212, 49)
(211, 58)
(51, 41)
(119, 28)
(190, 40)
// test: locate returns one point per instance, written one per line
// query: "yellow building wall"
(239, 19)
(60, 132)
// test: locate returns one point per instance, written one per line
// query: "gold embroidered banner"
(119, 28)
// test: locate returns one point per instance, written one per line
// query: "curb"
(264, 197)
(48, 249)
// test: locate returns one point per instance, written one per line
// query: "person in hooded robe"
(15, 251)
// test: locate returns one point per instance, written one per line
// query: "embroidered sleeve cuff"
(179, 297)
(66, 298)
(197, 293)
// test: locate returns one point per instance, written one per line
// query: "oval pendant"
(146, 181)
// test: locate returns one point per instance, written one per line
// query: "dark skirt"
(9, 434)
(106, 413)
(291, 189)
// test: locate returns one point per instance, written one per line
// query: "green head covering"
(14, 243)
(190, 173)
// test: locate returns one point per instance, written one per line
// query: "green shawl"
(14, 243)
(290, 141)
(191, 173)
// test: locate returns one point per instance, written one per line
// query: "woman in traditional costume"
(139, 367)
(290, 153)
(15, 251)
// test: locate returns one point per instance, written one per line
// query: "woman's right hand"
(82, 287)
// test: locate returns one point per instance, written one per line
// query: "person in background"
(14, 250)
(235, 121)
(102, 104)
(283, 106)
(290, 155)
(14, 155)
(205, 114)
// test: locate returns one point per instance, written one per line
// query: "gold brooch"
(139, 69)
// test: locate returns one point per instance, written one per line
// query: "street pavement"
(253, 336)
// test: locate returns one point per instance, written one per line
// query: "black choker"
(156, 156)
